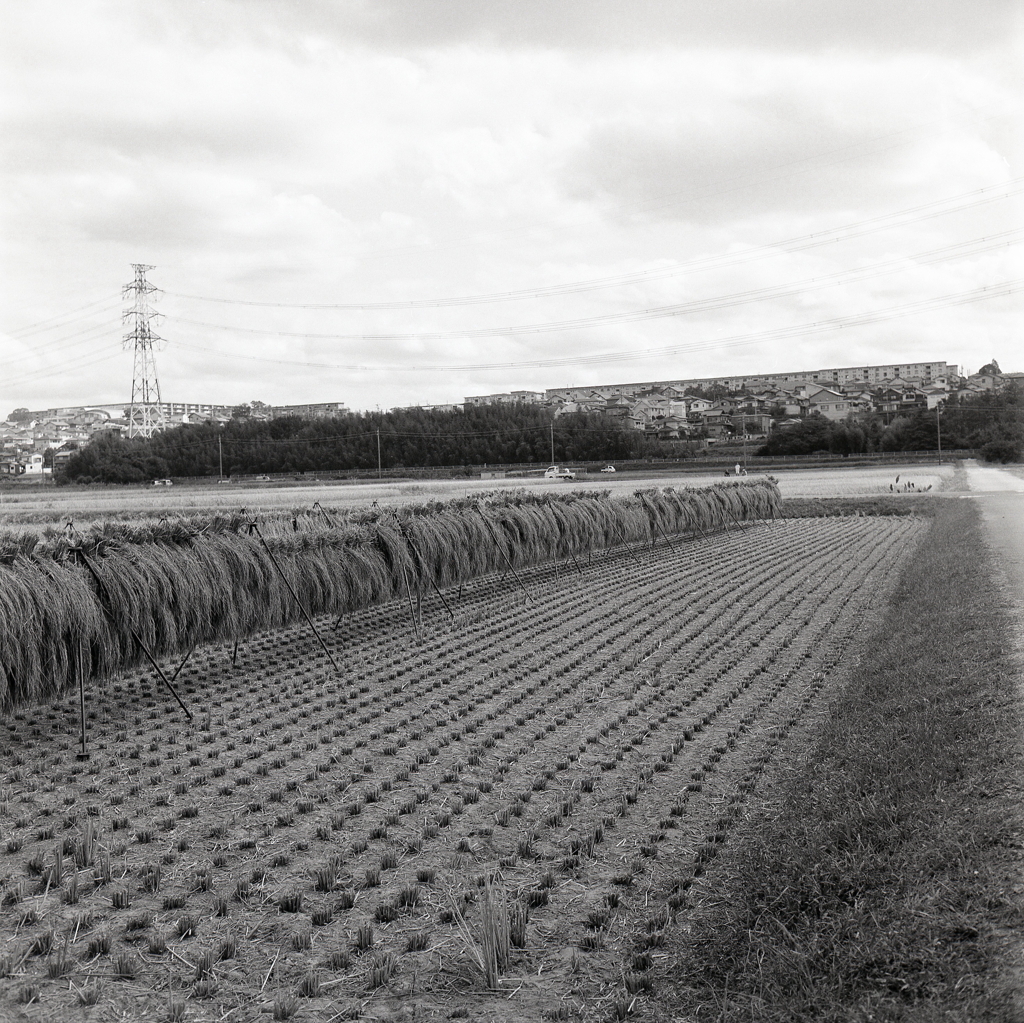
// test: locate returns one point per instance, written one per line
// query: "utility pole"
(938, 432)
(145, 413)
(552, 442)
(220, 457)
(379, 472)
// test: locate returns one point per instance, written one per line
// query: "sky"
(399, 202)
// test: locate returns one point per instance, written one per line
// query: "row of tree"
(481, 435)
(991, 422)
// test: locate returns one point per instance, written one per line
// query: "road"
(1000, 495)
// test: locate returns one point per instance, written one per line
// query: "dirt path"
(1000, 496)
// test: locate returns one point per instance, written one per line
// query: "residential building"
(926, 372)
(317, 410)
(508, 398)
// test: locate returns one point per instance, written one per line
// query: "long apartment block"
(869, 376)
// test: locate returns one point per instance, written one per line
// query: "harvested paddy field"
(502, 815)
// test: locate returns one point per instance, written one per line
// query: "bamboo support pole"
(305, 614)
(501, 551)
(84, 755)
(412, 610)
(177, 670)
(423, 564)
(622, 534)
(138, 639)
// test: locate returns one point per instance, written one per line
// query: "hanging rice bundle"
(175, 584)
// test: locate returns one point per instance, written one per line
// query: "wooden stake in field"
(423, 564)
(622, 535)
(177, 670)
(501, 551)
(84, 755)
(104, 603)
(654, 523)
(254, 528)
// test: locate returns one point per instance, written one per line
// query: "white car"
(608, 468)
(553, 472)
(163, 483)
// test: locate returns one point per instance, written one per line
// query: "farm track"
(594, 745)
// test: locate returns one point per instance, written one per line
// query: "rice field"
(76, 606)
(497, 806)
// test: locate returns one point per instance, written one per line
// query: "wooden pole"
(501, 551)
(656, 526)
(423, 564)
(412, 610)
(84, 755)
(183, 663)
(628, 548)
(295, 596)
(138, 639)
(317, 506)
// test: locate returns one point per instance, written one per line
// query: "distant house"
(650, 410)
(696, 405)
(756, 422)
(718, 428)
(900, 399)
(672, 427)
(831, 404)
(34, 465)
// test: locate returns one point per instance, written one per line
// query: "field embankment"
(883, 883)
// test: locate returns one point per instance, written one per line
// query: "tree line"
(991, 423)
(480, 435)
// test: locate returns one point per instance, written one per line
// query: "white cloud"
(336, 153)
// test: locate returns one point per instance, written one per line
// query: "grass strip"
(879, 885)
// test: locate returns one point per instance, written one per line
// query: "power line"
(791, 290)
(33, 328)
(81, 336)
(998, 290)
(926, 211)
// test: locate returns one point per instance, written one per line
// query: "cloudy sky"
(392, 202)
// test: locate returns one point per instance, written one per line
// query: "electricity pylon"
(145, 413)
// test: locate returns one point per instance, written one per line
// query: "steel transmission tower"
(145, 414)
